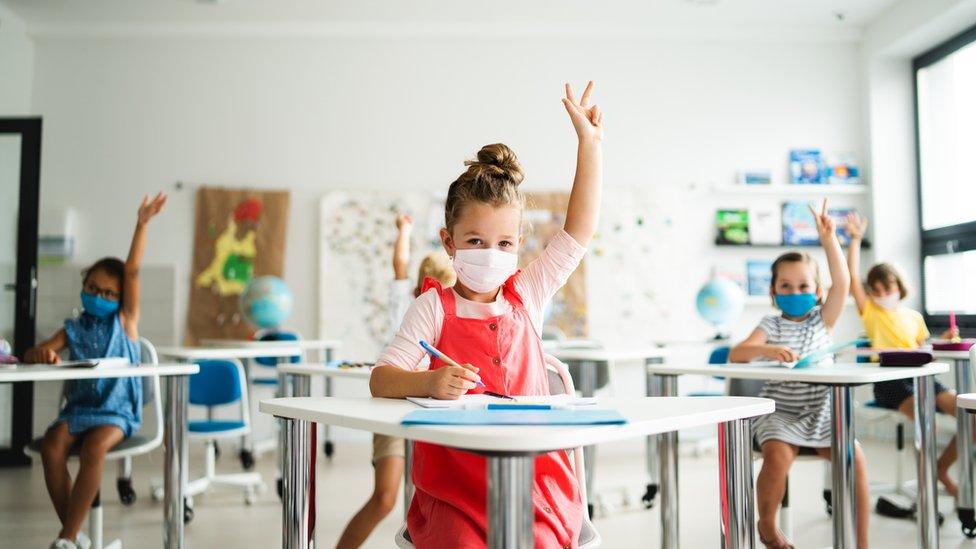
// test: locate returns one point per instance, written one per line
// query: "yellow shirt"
(901, 328)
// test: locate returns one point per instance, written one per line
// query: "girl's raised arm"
(130, 286)
(840, 279)
(856, 225)
(584, 201)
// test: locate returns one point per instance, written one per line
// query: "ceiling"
(650, 13)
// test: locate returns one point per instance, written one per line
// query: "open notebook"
(480, 401)
(99, 363)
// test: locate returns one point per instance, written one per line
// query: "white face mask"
(889, 301)
(482, 270)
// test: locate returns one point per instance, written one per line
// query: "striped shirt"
(802, 415)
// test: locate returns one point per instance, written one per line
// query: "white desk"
(190, 354)
(963, 374)
(175, 390)
(587, 359)
(510, 451)
(841, 378)
(321, 370)
(325, 348)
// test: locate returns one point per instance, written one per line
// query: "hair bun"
(497, 161)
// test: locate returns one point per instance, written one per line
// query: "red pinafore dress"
(448, 508)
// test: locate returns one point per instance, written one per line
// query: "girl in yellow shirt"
(890, 325)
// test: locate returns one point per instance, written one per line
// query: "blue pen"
(437, 354)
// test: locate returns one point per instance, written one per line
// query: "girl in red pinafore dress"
(491, 321)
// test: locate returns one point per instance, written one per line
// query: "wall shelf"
(791, 190)
(865, 245)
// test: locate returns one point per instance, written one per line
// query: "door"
(20, 162)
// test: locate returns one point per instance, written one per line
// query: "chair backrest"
(276, 335)
(737, 387)
(720, 355)
(217, 383)
(151, 392)
(863, 343)
(561, 383)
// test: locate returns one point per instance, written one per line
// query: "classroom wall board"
(239, 234)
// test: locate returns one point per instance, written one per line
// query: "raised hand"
(856, 225)
(826, 226)
(586, 118)
(150, 207)
(404, 222)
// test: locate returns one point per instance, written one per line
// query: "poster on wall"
(239, 234)
(544, 216)
(356, 236)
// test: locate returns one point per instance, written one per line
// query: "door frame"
(22, 414)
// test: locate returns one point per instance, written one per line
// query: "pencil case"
(905, 358)
(963, 345)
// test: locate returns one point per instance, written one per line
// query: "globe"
(266, 301)
(720, 302)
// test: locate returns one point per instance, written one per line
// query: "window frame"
(954, 238)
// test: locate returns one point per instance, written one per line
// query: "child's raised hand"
(450, 382)
(587, 119)
(826, 226)
(404, 222)
(856, 225)
(150, 207)
(781, 353)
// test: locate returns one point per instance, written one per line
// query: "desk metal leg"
(650, 447)
(587, 376)
(842, 465)
(298, 493)
(175, 458)
(667, 446)
(928, 522)
(735, 484)
(510, 511)
(327, 447)
(407, 476)
(964, 442)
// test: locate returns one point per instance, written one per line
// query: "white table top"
(46, 372)
(306, 344)
(314, 369)
(966, 401)
(646, 416)
(947, 355)
(606, 355)
(841, 373)
(210, 353)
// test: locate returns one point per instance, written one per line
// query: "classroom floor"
(222, 519)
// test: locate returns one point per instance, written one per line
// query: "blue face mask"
(98, 306)
(796, 305)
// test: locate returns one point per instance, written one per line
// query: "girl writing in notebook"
(491, 322)
(98, 413)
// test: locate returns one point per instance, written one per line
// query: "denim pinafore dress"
(109, 401)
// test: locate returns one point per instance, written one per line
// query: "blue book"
(759, 275)
(514, 417)
(807, 167)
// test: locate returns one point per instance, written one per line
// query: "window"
(945, 125)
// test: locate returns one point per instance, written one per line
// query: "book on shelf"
(759, 275)
(732, 227)
(754, 177)
(807, 167)
(800, 227)
(765, 226)
(843, 170)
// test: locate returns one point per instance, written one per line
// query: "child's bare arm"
(855, 227)
(447, 382)
(840, 278)
(756, 346)
(401, 248)
(47, 351)
(131, 290)
(583, 212)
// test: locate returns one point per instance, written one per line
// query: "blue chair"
(220, 383)
(719, 355)
(249, 449)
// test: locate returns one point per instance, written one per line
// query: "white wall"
(16, 65)
(127, 115)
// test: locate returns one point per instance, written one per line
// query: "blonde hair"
(797, 257)
(491, 179)
(438, 267)
(888, 275)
